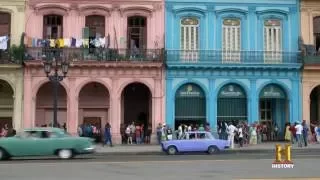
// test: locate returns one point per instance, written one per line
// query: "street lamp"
(54, 61)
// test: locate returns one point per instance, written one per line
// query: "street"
(137, 167)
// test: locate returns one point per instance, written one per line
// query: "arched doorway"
(137, 105)
(190, 105)
(273, 110)
(44, 105)
(94, 103)
(6, 104)
(315, 105)
(232, 104)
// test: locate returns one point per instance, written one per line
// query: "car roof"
(42, 129)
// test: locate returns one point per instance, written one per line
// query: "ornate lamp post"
(56, 69)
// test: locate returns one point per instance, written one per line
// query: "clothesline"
(68, 42)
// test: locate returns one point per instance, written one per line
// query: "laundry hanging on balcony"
(69, 42)
(4, 42)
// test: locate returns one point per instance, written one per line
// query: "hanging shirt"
(78, 43)
(52, 43)
(85, 43)
(73, 42)
(60, 43)
(4, 42)
(102, 42)
(67, 42)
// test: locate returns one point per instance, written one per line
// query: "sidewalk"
(156, 149)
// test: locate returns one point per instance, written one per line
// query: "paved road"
(155, 167)
(164, 157)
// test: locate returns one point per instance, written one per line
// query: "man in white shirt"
(299, 130)
(231, 131)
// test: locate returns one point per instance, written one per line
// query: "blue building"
(232, 60)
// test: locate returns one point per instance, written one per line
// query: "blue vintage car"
(195, 141)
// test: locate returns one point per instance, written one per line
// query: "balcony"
(11, 56)
(221, 58)
(310, 55)
(102, 55)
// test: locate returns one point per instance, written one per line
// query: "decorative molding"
(136, 10)
(157, 6)
(169, 7)
(20, 8)
(94, 10)
(51, 9)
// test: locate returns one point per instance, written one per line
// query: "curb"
(235, 151)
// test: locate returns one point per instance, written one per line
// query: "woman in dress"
(287, 136)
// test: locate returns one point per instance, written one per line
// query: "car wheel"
(213, 149)
(172, 150)
(65, 154)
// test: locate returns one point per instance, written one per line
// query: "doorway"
(137, 32)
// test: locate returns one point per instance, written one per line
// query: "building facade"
(115, 50)
(310, 33)
(232, 61)
(11, 72)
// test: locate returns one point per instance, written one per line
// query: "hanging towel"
(52, 43)
(34, 42)
(73, 42)
(60, 43)
(39, 43)
(85, 43)
(78, 43)
(102, 42)
(67, 42)
(4, 42)
(29, 42)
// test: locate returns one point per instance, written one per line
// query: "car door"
(192, 144)
(203, 140)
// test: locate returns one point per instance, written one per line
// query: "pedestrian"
(240, 135)
(169, 133)
(129, 135)
(231, 132)
(287, 136)
(305, 132)
(253, 134)
(138, 134)
(159, 133)
(299, 133)
(107, 134)
(317, 131)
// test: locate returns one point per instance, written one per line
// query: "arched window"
(189, 34)
(231, 40)
(272, 35)
(316, 32)
(189, 38)
(52, 26)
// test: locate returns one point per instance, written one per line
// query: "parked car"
(44, 142)
(196, 141)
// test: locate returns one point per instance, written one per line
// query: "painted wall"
(251, 77)
(115, 13)
(17, 11)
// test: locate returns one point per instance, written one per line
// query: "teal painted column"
(212, 106)
(295, 96)
(169, 103)
(211, 28)
(253, 100)
(252, 23)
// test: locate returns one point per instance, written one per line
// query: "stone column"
(28, 101)
(17, 114)
(115, 110)
(306, 102)
(73, 108)
(156, 108)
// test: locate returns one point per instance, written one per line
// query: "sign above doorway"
(272, 92)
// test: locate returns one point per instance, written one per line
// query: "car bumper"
(89, 150)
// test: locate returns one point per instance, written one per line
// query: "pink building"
(116, 62)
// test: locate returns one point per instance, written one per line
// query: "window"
(231, 40)
(189, 39)
(316, 33)
(52, 27)
(5, 22)
(272, 41)
(265, 110)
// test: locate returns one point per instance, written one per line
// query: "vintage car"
(44, 142)
(195, 141)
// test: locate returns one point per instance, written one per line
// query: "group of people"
(301, 134)
(135, 133)
(95, 132)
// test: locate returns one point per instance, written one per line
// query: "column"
(252, 28)
(253, 102)
(212, 106)
(27, 100)
(115, 110)
(169, 103)
(210, 34)
(306, 104)
(17, 109)
(294, 100)
(73, 108)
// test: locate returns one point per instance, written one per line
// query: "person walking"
(107, 135)
(231, 132)
(299, 131)
(305, 132)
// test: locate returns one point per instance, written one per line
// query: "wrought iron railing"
(231, 57)
(310, 55)
(96, 54)
(11, 56)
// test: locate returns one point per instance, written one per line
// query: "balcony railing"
(310, 55)
(231, 57)
(11, 56)
(96, 54)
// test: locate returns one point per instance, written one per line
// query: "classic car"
(195, 141)
(44, 142)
